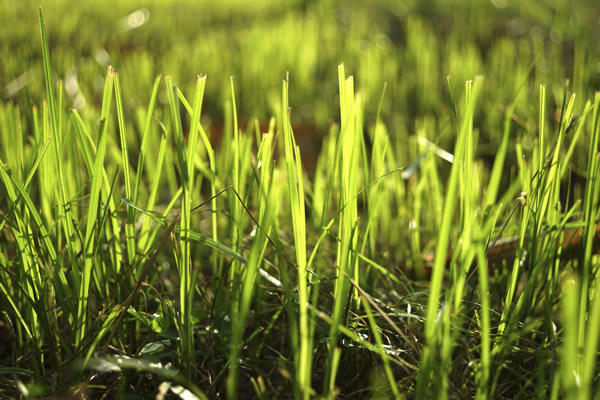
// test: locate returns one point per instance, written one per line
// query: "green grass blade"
(186, 291)
(296, 192)
(94, 206)
(145, 140)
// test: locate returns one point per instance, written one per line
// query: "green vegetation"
(177, 222)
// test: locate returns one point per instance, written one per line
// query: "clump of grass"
(137, 256)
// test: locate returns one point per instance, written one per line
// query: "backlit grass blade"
(590, 322)
(186, 170)
(145, 139)
(542, 125)
(48, 76)
(483, 377)
(92, 215)
(432, 325)
(213, 177)
(498, 168)
(296, 193)
(64, 214)
(570, 354)
(129, 228)
(235, 171)
(349, 153)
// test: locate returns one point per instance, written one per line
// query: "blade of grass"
(64, 209)
(186, 292)
(129, 228)
(432, 325)
(296, 192)
(94, 207)
(588, 339)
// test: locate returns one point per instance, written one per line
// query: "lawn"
(303, 199)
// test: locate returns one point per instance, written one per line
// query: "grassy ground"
(421, 221)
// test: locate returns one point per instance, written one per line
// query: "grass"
(428, 227)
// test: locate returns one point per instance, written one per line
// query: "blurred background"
(412, 45)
